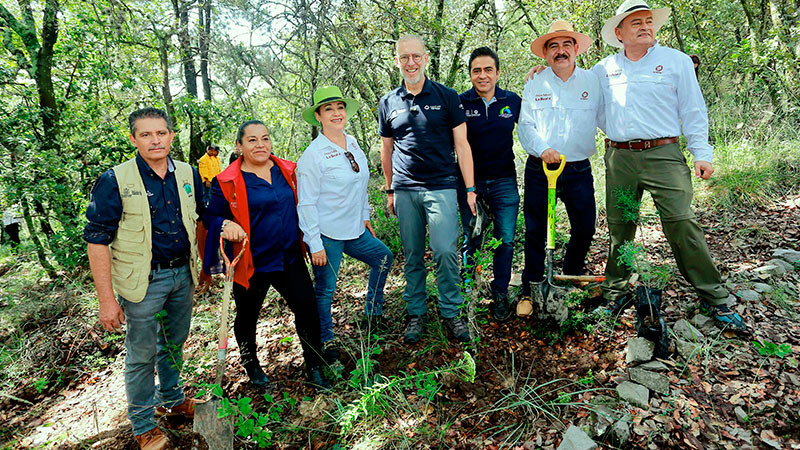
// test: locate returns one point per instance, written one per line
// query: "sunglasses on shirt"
(353, 163)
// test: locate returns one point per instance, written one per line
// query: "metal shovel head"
(217, 432)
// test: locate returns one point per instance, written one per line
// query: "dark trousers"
(294, 284)
(12, 233)
(575, 187)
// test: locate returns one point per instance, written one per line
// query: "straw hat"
(627, 8)
(328, 94)
(560, 28)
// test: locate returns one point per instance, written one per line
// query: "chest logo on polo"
(433, 107)
(333, 153)
(472, 113)
(128, 192)
(585, 95)
(614, 74)
(543, 97)
(506, 112)
(659, 68)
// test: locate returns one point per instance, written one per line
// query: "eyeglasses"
(353, 163)
(417, 58)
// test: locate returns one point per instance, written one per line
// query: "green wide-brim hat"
(329, 94)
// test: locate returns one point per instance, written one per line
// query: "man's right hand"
(111, 315)
(551, 156)
(233, 232)
(390, 204)
(319, 258)
(207, 184)
(535, 70)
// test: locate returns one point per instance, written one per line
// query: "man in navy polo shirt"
(491, 115)
(422, 128)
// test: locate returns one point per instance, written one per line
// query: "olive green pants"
(663, 172)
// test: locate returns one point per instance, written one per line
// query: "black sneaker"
(258, 378)
(615, 307)
(330, 352)
(501, 308)
(725, 318)
(318, 381)
(414, 329)
(459, 329)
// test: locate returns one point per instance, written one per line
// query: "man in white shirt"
(651, 96)
(561, 110)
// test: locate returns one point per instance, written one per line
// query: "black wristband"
(389, 191)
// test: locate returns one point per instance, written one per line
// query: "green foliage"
(249, 422)
(768, 348)
(633, 256)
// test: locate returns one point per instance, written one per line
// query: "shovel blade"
(217, 432)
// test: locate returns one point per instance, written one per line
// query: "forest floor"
(529, 382)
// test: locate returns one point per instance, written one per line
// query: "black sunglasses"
(353, 163)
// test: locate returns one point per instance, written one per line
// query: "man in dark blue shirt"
(491, 115)
(141, 243)
(422, 129)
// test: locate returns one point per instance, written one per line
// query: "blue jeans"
(502, 196)
(439, 210)
(152, 347)
(575, 187)
(366, 248)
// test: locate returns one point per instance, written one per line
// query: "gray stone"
(576, 439)
(635, 394)
(601, 422)
(748, 295)
(620, 433)
(779, 262)
(786, 254)
(685, 330)
(605, 400)
(762, 287)
(704, 323)
(654, 366)
(639, 350)
(652, 380)
(769, 269)
(687, 350)
(741, 416)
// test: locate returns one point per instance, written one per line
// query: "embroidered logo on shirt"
(506, 112)
(126, 192)
(472, 113)
(585, 95)
(614, 74)
(543, 97)
(434, 107)
(332, 153)
(659, 69)
(188, 188)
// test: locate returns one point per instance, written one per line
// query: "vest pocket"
(131, 229)
(122, 276)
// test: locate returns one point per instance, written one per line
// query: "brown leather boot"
(152, 440)
(185, 409)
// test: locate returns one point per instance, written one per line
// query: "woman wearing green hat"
(333, 208)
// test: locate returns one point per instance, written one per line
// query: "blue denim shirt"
(169, 238)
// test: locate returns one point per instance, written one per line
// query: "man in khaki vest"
(142, 245)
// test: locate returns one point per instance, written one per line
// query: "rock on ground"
(762, 287)
(748, 295)
(620, 433)
(576, 439)
(652, 380)
(639, 350)
(685, 330)
(687, 350)
(786, 254)
(635, 394)
(654, 366)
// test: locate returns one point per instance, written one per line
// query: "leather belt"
(642, 144)
(171, 264)
(537, 160)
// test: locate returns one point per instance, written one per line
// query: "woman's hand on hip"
(319, 258)
(368, 226)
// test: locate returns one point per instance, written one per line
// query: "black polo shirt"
(490, 132)
(422, 128)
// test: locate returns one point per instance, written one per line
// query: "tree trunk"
(675, 30)
(181, 8)
(456, 62)
(205, 38)
(166, 93)
(436, 42)
(37, 243)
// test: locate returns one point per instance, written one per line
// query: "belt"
(641, 144)
(171, 264)
(537, 160)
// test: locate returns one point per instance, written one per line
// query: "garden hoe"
(218, 432)
(552, 299)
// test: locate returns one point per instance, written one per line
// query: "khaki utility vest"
(131, 249)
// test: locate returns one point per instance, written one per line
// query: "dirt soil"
(700, 412)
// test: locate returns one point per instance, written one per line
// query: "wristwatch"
(471, 189)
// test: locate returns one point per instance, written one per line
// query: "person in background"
(334, 211)
(142, 219)
(491, 115)
(255, 197)
(209, 167)
(11, 225)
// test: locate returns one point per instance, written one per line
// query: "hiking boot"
(257, 376)
(501, 308)
(185, 409)
(725, 318)
(458, 328)
(615, 307)
(330, 352)
(414, 329)
(525, 304)
(318, 381)
(152, 440)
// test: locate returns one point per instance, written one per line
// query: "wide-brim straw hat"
(628, 7)
(329, 94)
(557, 29)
